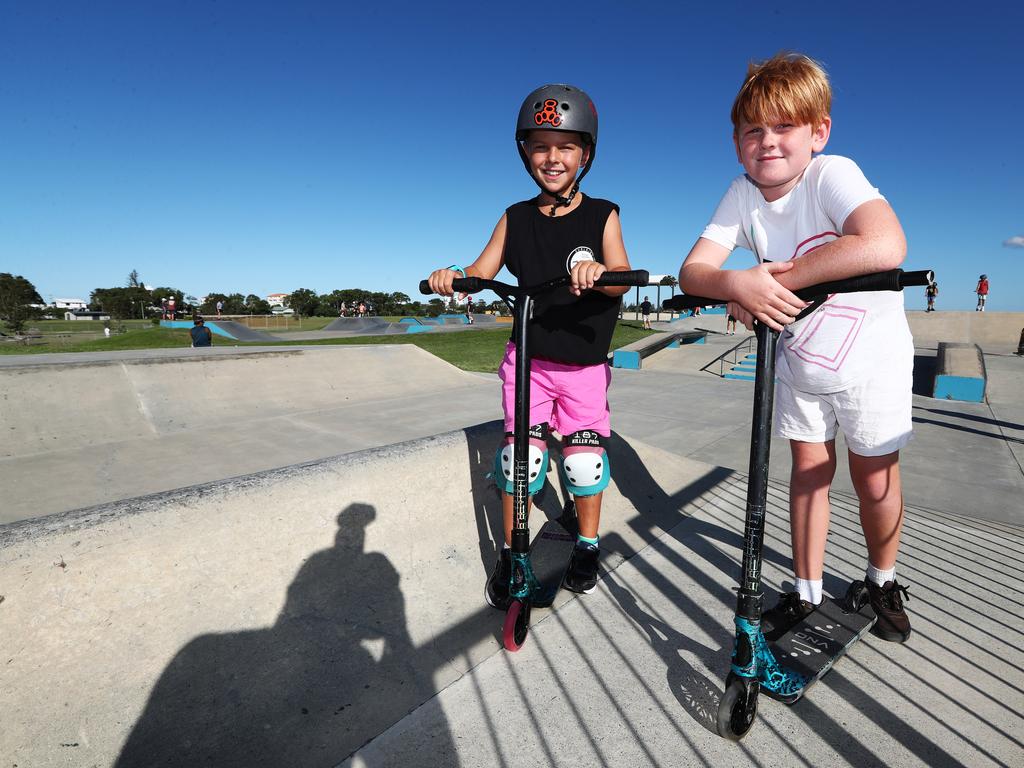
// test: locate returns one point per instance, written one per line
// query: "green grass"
(477, 350)
(148, 337)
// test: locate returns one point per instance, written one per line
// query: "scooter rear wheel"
(517, 625)
(738, 708)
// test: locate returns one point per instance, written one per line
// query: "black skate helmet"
(983, 277)
(558, 107)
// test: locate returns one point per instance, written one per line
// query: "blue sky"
(258, 147)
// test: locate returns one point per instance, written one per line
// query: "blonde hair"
(788, 86)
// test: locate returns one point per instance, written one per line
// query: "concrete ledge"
(630, 356)
(959, 373)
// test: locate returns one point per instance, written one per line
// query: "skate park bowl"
(193, 602)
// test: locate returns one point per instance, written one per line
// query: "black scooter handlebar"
(639, 277)
(891, 280)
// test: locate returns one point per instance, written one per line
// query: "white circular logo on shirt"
(583, 253)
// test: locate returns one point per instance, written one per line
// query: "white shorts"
(874, 415)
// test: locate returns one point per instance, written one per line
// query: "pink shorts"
(568, 397)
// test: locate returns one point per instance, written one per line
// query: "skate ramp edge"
(350, 585)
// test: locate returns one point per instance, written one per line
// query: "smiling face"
(555, 159)
(775, 153)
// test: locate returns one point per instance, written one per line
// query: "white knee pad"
(585, 467)
(537, 461)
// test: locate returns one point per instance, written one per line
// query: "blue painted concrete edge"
(968, 389)
(622, 358)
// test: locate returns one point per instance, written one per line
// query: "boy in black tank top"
(557, 232)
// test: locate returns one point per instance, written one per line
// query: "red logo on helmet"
(549, 114)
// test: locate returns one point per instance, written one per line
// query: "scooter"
(538, 568)
(786, 668)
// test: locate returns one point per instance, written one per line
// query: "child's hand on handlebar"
(583, 276)
(765, 298)
(441, 281)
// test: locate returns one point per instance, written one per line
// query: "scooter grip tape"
(639, 277)
(462, 284)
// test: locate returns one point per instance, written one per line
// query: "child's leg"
(508, 514)
(814, 466)
(877, 482)
(588, 510)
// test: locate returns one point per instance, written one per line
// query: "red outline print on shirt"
(834, 341)
(827, 336)
(800, 250)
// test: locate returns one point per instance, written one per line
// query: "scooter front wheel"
(517, 625)
(738, 708)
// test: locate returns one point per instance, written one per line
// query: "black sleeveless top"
(539, 247)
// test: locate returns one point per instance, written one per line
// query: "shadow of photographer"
(337, 668)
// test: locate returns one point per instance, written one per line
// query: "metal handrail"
(746, 345)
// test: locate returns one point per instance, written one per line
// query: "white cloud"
(1017, 241)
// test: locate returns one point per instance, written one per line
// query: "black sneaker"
(892, 624)
(496, 591)
(582, 574)
(788, 611)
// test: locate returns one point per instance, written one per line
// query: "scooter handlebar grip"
(920, 277)
(461, 284)
(686, 301)
(635, 277)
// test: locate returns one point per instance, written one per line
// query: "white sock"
(810, 590)
(878, 576)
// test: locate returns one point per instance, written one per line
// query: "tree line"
(20, 302)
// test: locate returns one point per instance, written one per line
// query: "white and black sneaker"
(582, 574)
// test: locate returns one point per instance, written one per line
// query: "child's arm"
(487, 264)
(872, 241)
(754, 293)
(585, 273)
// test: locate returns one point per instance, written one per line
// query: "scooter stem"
(750, 597)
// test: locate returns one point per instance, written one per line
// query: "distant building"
(69, 304)
(277, 299)
(82, 314)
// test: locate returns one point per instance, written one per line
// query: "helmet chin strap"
(560, 201)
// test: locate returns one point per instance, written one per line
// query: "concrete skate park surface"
(331, 612)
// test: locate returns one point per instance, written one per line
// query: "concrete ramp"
(82, 434)
(361, 324)
(240, 331)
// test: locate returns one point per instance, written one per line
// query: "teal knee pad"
(536, 463)
(585, 467)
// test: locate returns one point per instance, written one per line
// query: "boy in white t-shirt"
(848, 365)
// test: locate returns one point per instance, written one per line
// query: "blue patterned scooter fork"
(522, 583)
(751, 657)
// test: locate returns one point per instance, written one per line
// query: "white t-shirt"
(832, 347)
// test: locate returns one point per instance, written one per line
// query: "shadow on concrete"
(337, 665)
(972, 417)
(924, 374)
(969, 430)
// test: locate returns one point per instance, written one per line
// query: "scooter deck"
(550, 553)
(816, 643)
